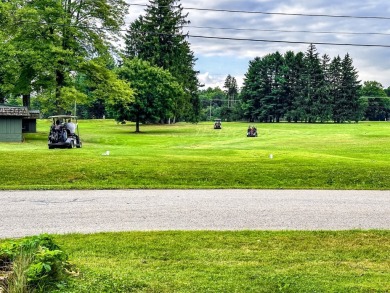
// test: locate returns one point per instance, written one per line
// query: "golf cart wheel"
(79, 145)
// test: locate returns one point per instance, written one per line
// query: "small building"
(29, 124)
(15, 120)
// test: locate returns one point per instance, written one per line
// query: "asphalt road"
(25, 213)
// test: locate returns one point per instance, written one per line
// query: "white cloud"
(218, 58)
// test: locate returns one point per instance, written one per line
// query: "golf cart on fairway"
(217, 124)
(64, 132)
(252, 131)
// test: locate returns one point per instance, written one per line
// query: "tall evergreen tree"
(158, 38)
(296, 111)
(316, 88)
(250, 91)
(231, 90)
(349, 104)
(336, 89)
(278, 80)
(324, 97)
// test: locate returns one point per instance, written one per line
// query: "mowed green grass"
(347, 156)
(305, 156)
(242, 261)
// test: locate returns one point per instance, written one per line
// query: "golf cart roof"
(62, 116)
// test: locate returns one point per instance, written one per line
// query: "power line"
(277, 13)
(221, 38)
(290, 42)
(285, 31)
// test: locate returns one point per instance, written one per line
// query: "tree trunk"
(26, 100)
(60, 80)
(137, 124)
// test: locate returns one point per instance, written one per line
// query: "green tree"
(387, 91)
(372, 89)
(156, 93)
(9, 68)
(231, 90)
(336, 87)
(277, 98)
(256, 86)
(294, 86)
(375, 97)
(212, 99)
(317, 106)
(349, 107)
(55, 38)
(158, 38)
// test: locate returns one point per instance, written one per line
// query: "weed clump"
(33, 264)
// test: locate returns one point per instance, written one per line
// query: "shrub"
(36, 264)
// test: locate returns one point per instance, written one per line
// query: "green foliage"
(8, 67)
(216, 104)
(103, 84)
(372, 89)
(158, 38)
(50, 41)
(376, 101)
(240, 261)
(37, 262)
(301, 87)
(157, 94)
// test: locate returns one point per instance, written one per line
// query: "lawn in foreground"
(243, 261)
(309, 156)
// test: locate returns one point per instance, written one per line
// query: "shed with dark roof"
(11, 123)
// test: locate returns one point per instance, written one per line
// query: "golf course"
(195, 156)
(185, 155)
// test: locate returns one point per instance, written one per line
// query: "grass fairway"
(307, 156)
(245, 261)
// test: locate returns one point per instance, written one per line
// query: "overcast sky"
(218, 58)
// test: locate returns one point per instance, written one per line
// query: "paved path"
(32, 212)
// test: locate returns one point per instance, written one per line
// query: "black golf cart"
(217, 124)
(64, 132)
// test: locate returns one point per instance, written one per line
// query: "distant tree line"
(301, 87)
(298, 87)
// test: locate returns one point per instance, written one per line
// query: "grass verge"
(244, 261)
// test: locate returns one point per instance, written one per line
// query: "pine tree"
(250, 91)
(336, 89)
(159, 39)
(350, 103)
(297, 112)
(316, 88)
(231, 90)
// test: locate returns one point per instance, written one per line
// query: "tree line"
(302, 87)
(299, 87)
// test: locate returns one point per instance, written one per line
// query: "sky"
(216, 58)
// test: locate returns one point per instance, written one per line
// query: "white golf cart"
(64, 132)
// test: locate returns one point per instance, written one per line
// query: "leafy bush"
(37, 264)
